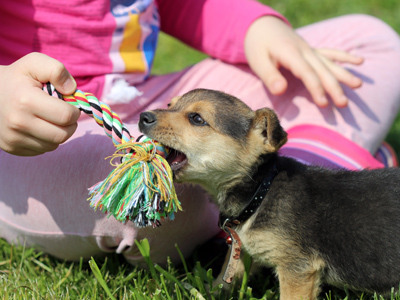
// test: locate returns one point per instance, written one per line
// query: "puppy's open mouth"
(177, 160)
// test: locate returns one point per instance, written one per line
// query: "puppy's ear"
(173, 101)
(267, 124)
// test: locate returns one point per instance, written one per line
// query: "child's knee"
(372, 25)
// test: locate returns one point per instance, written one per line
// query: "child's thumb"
(46, 69)
(66, 86)
(62, 80)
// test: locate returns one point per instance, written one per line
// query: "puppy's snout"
(147, 119)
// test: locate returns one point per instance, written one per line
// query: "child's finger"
(52, 109)
(25, 123)
(30, 146)
(340, 56)
(45, 69)
(270, 75)
(21, 151)
(24, 128)
(342, 75)
(48, 134)
(18, 139)
(38, 122)
(329, 82)
(301, 68)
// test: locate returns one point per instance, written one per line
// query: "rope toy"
(140, 188)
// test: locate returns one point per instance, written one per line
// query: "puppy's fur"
(340, 227)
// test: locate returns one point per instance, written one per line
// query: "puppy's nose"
(147, 119)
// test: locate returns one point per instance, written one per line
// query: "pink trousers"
(43, 199)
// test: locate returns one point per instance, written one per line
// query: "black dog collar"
(253, 204)
(227, 224)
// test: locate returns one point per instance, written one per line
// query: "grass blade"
(144, 248)
(171, 278)
(165, 286)
(99, 277)
(247, 265)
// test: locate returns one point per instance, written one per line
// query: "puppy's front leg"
(298, 286)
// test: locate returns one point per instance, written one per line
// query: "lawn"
(27, 274)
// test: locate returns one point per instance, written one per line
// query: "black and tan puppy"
(313, 225)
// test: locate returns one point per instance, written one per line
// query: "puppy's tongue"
(176, 160)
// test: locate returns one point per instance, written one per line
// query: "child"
(337, 105)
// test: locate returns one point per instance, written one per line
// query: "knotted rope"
(140, 188)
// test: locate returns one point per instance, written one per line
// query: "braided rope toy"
(140, 188)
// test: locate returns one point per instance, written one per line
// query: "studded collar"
(253, 204)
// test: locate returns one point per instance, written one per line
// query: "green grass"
(28, 274)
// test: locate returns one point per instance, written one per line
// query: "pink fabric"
(43, 199)
(216, 27)
(370, 113)
(87, 36)
(387, 156)
(77, 36)
(327, 145)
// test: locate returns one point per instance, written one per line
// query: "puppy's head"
(215, 137)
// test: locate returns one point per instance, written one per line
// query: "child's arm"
(215, 27)
(270, 43)
(31, 121)
(246, 31)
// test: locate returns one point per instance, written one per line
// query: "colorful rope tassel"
(140, 188)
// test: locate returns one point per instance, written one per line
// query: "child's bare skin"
(270, 43)
(34, 123)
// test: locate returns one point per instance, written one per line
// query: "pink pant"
(43, 199)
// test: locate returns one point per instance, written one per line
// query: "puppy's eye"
(196, 119)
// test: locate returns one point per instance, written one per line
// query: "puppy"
(311, 224)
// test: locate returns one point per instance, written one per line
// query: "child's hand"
(31, 121)
(270, 43)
